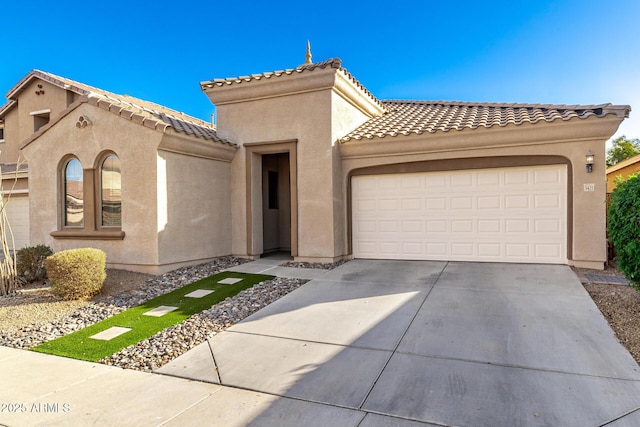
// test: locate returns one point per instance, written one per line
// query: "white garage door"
(18, 215)
(500, 215)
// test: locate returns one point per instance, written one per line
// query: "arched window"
(111, 192)
(73, 194)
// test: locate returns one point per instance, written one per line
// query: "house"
(32, 102)
(307, 160)
(623, 170)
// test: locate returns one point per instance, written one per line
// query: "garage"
(17, 210)
(516, 214)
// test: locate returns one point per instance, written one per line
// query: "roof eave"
(623, 164)
(49, 78)
(6, 108)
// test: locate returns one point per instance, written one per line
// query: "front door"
(276, 202)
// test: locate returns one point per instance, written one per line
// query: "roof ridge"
(331, 63)
(88, 90)
(335, 63)
(147, 113)
(498, 104)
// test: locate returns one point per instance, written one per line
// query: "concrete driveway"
(411, 343)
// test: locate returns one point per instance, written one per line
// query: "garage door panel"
(489, 226)
(513, 214)
(462, 180)
(17, 210)
(411, 204)
(488, 179)
(458, 203)
(542, 201)
(489, 250)
(548, 176)
(516, 177)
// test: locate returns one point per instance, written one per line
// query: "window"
(110, 190)
(40, 118)
(90, 200)
(272, 177)
(73, 194)
(1, 133)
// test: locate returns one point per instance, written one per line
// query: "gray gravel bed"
(315, 265)
(170, 343)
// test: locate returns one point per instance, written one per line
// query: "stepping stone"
(111, 333)
(229, 281)
(160, 311)
(199, 293)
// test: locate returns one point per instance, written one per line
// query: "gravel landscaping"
(34, 315)
(125, 290)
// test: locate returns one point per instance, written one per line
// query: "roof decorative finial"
(308, 55)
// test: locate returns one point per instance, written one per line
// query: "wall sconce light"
(589, 161)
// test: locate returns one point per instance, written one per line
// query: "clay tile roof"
(335, 63)
(331, 63)
(418, 117)
(156, 116)
(124, 105)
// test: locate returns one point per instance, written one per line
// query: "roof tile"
(335, 63)
(418, 117)
(145, 112)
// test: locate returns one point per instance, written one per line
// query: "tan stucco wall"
(9, 149)
(306, 108)
(196, 210)
(305, 118)
(135, 145)
(54, 99)
(571, 140)
(175, 190)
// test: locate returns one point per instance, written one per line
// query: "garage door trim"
(468, 165)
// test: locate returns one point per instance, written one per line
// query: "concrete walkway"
(371, 343)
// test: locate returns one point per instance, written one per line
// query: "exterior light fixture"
(589, 161)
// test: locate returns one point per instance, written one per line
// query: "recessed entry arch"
(386, 227)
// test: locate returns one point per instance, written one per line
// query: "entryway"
(276, 203)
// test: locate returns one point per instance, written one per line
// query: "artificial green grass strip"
(78, 345)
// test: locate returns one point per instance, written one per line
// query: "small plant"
(623, 225)
(76, 273)
(30, 262)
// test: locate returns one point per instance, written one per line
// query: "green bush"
(623, 225)
(30, 262)
(76, 273)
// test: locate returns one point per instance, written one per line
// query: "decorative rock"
(172, 342)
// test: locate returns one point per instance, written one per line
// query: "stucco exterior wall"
(307, 119)
(313, 109)
(195, 216)
(10, 148)
(136, 146)
(486, 147)
(53, 98)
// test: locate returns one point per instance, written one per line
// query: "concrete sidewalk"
(43, 390)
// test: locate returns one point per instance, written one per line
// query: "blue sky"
(567, 52)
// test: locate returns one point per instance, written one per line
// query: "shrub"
(623, 225)
(30, 262)
(77, 273)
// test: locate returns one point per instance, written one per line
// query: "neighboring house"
(622, 169)
(307, 160)
(32, 102)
